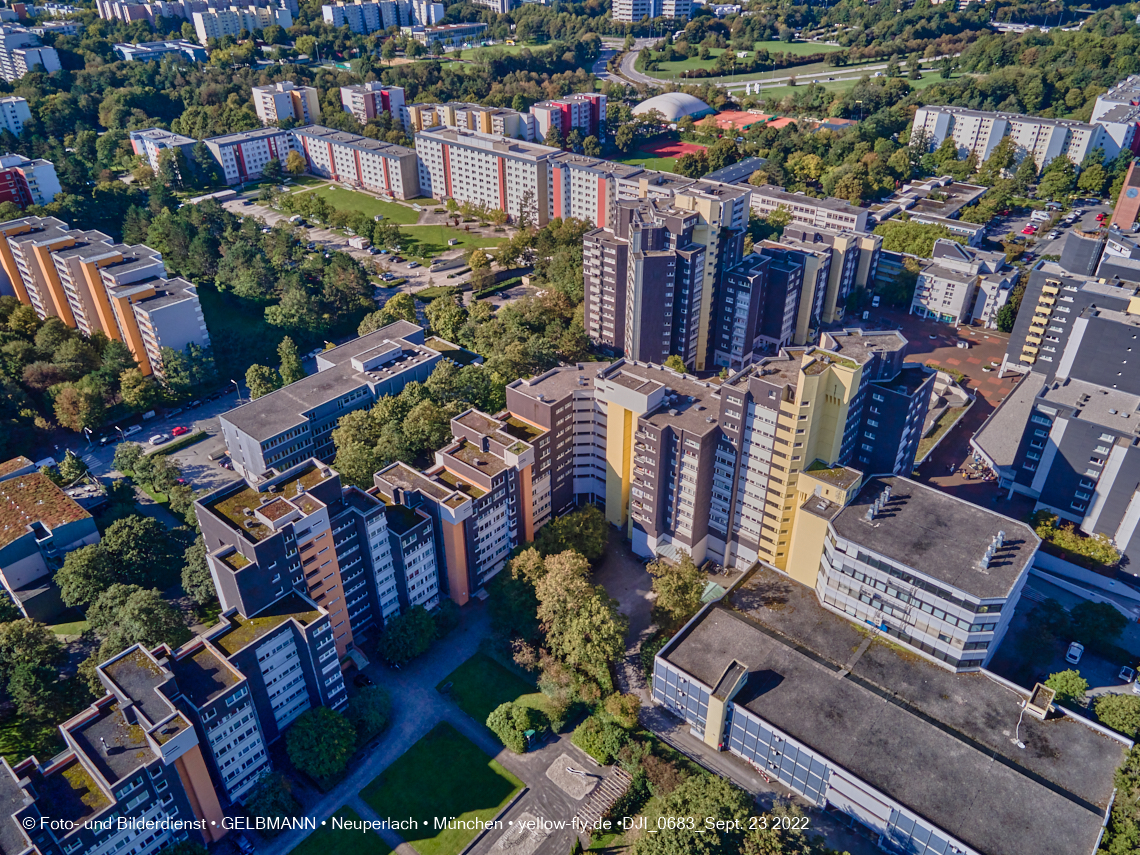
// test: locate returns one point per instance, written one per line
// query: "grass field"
(75, 627)
(929, 78)
(480, 684)
(640, 158)
(671, 69)
(344, 199)
(479, 53)
(327, 840)
(443, 774)
(429, 241)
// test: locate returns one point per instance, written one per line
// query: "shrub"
(1120, 712)
(511, 721)
(624, 709)
(601, 738)
(370, 710)
(1069, 685)
(649, 649)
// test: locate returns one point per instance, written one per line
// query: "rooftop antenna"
(103, 742)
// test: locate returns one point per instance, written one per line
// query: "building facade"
(368, 100)
(808, 211)
(358, 161)
(21, 51)
(242, 156)
(279, 102)
(962, 285)
(26, 182)
(364, 18)
(13, 113)
(153, 141)
(216, 23)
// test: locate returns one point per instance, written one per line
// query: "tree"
(196, 579)
(71, 467)
(77, 408)
(678, 588)
(103, 614)
(291, 369)
(913, 238)
(718, 808)
(478, 260)
(33, 690)
(140, 617)
(261, 380)
(400, 307)
(270, 798)
(320, 742)
(139, 391)
(1120, 712)
(295, 164)
(779, 218)
(143, 550)
(785, 833)
(624, 138)
(407, 636)
(601, 738)
(553, 137)
(28, 642)
(127, 457)
(388, 50)
(1069, 685)
(370, 711)
(591, 147)
(272, 171)
(1057, 179)
(1097, 624)
(585, 531)
(85, 574)
(676, 363)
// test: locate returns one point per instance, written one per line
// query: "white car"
(1074, 653)
(1126, 675)
(158, 439)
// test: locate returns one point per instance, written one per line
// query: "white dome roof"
(674, 106)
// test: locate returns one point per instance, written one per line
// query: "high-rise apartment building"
(21, 51)
(214, 23)
(242, 156)
(278, 102)
(632, 11)
(14, 112)
(980, 131)
(1118, 112)
(667, 254)
(368, 100)
(92, 284)
(854, 262)
(507, 174)
(303, 532)
(369, 17)
(497, 121)
(27, 182)
(584, 112)
(359, 161)
(150, 10)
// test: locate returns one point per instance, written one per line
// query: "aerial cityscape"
(513, 427)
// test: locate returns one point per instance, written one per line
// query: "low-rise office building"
(808, 210)
(157, 51)
(289, 425)
(150, 143)
(778, 687)
(961, 285)
(447, 35)
(41, 524)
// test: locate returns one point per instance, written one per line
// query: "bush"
(1069, 685)
(624, 709)
(1120, 712)
(446, 618)
(1064, 539)
(1097, 624)
(649, 649)
(511, 721)
(601, 738)
(370, 711)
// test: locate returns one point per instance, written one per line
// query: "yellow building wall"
(50, 275)
(620, 426)
(806, 548)
(8, 261)
(130, 327)
(105, 315)
(200, 790)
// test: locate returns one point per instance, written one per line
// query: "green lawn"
(929, 78)
(480, 684)
(798, 48)
(671, 69)
(649, 161)
(75, 627)
(344, 199)
(443, 774)
(426, 242)
(327, 841)
(479, 53)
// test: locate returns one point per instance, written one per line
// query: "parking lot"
(1015, 223)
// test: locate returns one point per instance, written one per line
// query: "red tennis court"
(671, 148)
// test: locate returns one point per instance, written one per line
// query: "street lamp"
(237, 389)
(88, 432)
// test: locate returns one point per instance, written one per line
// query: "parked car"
(132, 430)
(361, 680)
(1029, 230)
(159, 438)
(180, 430)
(413, 264)
(103, 440)
(1074, 653)
(174, 413)
(397, 260)
(1127, 675)
(875, 301)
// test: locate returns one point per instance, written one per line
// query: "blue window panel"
(818, 768)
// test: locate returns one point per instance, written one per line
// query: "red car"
(1004, 213)
(179, 431)
(1101, 217)
(1029, 230)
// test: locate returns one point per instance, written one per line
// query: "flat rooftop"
(939, 535)
(404, 477)
(12, 799)
(203, 675)
(233, 507)
(25, 499)
(69, 793)
(557, 383)
(1000, 436)
(936, 741)
(243, 631)
(113, 745)
(139, 676)
(1113, 408)
(355, 141)
(690, 404)
(769, 191)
